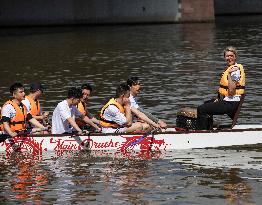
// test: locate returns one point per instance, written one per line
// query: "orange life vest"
(107, 123)
(34, 106)
(81, 107)
(240, 88)
(18, 122)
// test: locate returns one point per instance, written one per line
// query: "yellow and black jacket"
(108, 123)
(240, 88)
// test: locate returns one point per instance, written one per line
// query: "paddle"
(3, 137)
(143, 137)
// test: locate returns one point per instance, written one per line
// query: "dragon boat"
(170, 139)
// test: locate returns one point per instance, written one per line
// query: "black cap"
(35, 87)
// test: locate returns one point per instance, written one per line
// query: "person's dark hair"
(74, 93)
(87, 87)
(132, 81)
(122, 89)
(15, 86)
(35, 87)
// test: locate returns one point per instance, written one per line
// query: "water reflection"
(237, 190)
(226, 170)
(81, 177)
(129, 182)
(25, 180)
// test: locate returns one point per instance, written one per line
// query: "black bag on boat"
(187, 119)
(187, 123)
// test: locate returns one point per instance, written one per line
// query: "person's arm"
(128, 113)
(6, 113)
(93, 118)
(89, 115)
(233, 78)
(36, 123)
(44, 116)
(38, 117)
(66, 114)
(231, 86)
(72, 122)
(86, 119)
(149, 115)
(27, 104)
(143, 117)
(8, 129)
(90, 122)
(161, 123)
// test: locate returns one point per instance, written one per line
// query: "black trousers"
(210, 108)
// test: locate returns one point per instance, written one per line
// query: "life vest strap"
(108, 121)
(237, 87)
(19, 122)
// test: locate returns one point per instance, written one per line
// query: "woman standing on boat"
(232, 86)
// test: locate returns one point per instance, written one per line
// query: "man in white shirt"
(116, 114)
(151, 120)
(232, 86)
(63, 119)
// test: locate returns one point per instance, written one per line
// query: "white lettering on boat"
(65, 144)
(101, 145)
(61, 144)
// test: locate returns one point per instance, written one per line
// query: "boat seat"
(234, 120)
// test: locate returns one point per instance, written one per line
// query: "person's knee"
(137, 127)
(145, 127)
(201, 110)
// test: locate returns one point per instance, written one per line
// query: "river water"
(179, 65)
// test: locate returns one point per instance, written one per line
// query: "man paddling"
(82, 106)
(116, 115)
(135, 86)
(232, 86)
(32, 103)
(15, 115)
(63, 119)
